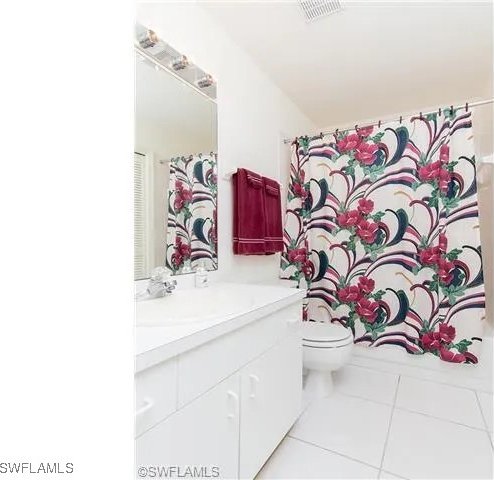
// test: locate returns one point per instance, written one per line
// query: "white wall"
(253, 116)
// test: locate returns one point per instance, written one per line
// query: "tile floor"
(382, 424)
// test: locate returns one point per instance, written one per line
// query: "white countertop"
(228, 306)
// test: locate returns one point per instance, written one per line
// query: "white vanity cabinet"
(234, 398)
(203, 434)
(270, 402)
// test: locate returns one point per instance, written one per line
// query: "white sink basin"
(192, 306)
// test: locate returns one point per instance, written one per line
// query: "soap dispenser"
(201, 276)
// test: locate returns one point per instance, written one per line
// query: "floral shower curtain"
(383, 226)
(192, 217)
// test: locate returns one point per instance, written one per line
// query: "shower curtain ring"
(401, 118)
(356, 127)
(336, 132)
(451, 111)
(421, 116)
(466, 106)
(379, 124)
(440, 111)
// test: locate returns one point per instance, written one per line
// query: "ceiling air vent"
(314, 9)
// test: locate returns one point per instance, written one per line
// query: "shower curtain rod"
(466, 106)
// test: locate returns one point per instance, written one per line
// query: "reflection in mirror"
(192, 216)
(175, 166)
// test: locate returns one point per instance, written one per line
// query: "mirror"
(175, 161)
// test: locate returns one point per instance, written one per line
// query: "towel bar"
(228, 176)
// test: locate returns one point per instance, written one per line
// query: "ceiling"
(372, 59)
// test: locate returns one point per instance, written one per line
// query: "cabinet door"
(271, 401)
(204, 435)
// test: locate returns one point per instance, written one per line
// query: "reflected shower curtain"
(192, 216)
(383, 226)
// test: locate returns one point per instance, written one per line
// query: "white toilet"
(326, 347)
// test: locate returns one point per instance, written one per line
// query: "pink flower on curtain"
(430, 256)
(308, 269)
(434, 172)
(430, 341)
(365, 206)
(443, 243)
(367, 310)
(450, 356)
(183, 248)
(445, 271)
(440, 342)
(436, 258)
(297, 255)
(444, 154)
(300, 191)
(299, 187)
(349, 219)
(366, 153)
(183, 196)
(365, 131)
(367, 231)
(447, 332)
(182, 252)
(444, 180)
(366, 284)
(430, 172)
(349, 294)
(348, 143)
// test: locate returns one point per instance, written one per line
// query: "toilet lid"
(325, 334)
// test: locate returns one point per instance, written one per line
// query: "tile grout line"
(379, 402)
(417, 377)
(353, 459)
(360, 397)
(441, 419)
(485, 421)
(394, 474)
(389, 426)
(481, 411)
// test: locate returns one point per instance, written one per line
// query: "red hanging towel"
(248, 213)
(274, 225)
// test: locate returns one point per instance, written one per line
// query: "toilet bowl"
(326, 348)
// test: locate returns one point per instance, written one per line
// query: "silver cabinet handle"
(148, 404)
(232, 394)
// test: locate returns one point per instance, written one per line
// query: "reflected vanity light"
(205, 81)
(148, 45)
(179, 63)
(166, 68)
(149, 39)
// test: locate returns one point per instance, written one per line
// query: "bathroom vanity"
(218, 377)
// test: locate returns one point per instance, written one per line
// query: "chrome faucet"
(160, 283)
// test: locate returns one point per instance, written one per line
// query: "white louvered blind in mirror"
(141, 220)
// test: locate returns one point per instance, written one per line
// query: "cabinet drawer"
(207, 365)
(156, 394)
